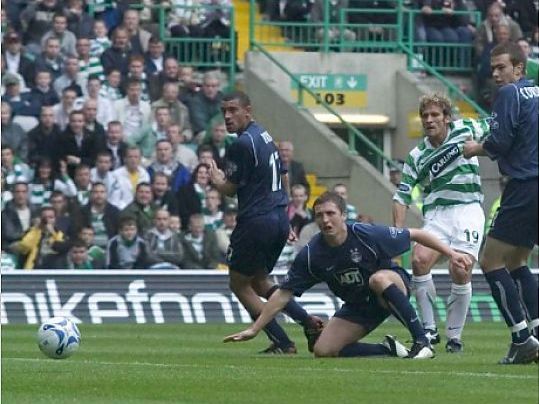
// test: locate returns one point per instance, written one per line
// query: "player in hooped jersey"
(513, 232)
(254, 173)
(452, 209)
(355, 261)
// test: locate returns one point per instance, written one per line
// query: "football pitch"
(180, 363)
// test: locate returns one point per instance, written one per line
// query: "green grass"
(189, 364)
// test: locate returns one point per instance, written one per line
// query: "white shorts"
(460, 226)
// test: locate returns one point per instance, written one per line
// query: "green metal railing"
(354, 134)
(206, 53)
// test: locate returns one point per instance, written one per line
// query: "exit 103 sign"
(337, 90)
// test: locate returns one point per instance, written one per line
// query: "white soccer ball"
(58, 337)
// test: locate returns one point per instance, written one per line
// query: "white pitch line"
(309, 369)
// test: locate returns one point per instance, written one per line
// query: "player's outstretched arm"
(457, 260)
(275, 304)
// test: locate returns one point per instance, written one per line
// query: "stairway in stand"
(267, 34)
(316, 189)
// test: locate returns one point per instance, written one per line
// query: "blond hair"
(435, 99)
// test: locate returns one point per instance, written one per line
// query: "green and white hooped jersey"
(446, 176)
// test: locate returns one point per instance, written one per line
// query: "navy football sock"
(363, 349)
(504, 291)
(293, 308)
(527, 288)
(400, 307)
(275, 333)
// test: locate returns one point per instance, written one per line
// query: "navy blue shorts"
(515, 222)
(370, 314)
(257, 242)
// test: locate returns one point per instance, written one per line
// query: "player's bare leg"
(497, 258)
(423, 259)
(337, 334)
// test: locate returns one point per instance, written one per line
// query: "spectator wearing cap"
(20, 103)
(12, 134)
(17, 62)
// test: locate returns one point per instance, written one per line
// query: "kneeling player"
(355, 262)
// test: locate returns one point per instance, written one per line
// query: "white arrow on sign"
(352, 82)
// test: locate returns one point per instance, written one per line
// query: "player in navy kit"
(254, 173)
(513, 233)
(355, 260)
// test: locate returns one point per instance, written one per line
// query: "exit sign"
(337, 90)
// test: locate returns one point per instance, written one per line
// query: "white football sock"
(458, 304)
(425, 294)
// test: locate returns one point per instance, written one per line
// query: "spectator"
(183, 20)
(127, 250)
(14, 170)
(178, 111)
(215, 19)
(163, 242)
(395, 172)
(149, 135)
(182, 153)
(75, 145)
(523, 12)
(175, 224)
(111, 87)
(218, 139)
(77, 257)
(200, 246)
(16, 216)
(43, 244)
(20, 103)
(59, 30)
(168, 74)
(532, 63)
(46, 180)
(100, 215)
(298, 212)
(96, 254)
(78, 21)
(189, 87)
(105, 109)
(131, 111)
(163, 197)
(136, 72)
(213, 214)
(36, 20)
(117, 56)
(485, 32)
(205, 154)
(42, 140)
(205, 105)
(154, 58)
(102, 171)
(82, 183)
(50, 59)
(115, 145)
(296, 172)
(89, 65)
(17, 61)
(43, 93)
(67, 217)
(334, 32)
(12, 133)
(64, 107)
(165, 163)
(224, 231)
(446, 27)
(191, 197)
(70, 77)
(101, 42)
(94, 128)
(138, 37)
(351, 211)
(127, 178)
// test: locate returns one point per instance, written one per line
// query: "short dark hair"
(127, 221)
(78, 243)
(513, 50)
(243, 98)
(330, 196)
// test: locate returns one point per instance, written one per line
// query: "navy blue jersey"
(513, 128)
(347, 268)
(253, 164)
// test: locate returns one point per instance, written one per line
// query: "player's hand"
(244, 335)
(217, 175)
(470, 148)
(461, 261)
(292, 236)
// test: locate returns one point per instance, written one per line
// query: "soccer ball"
(58, 337)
